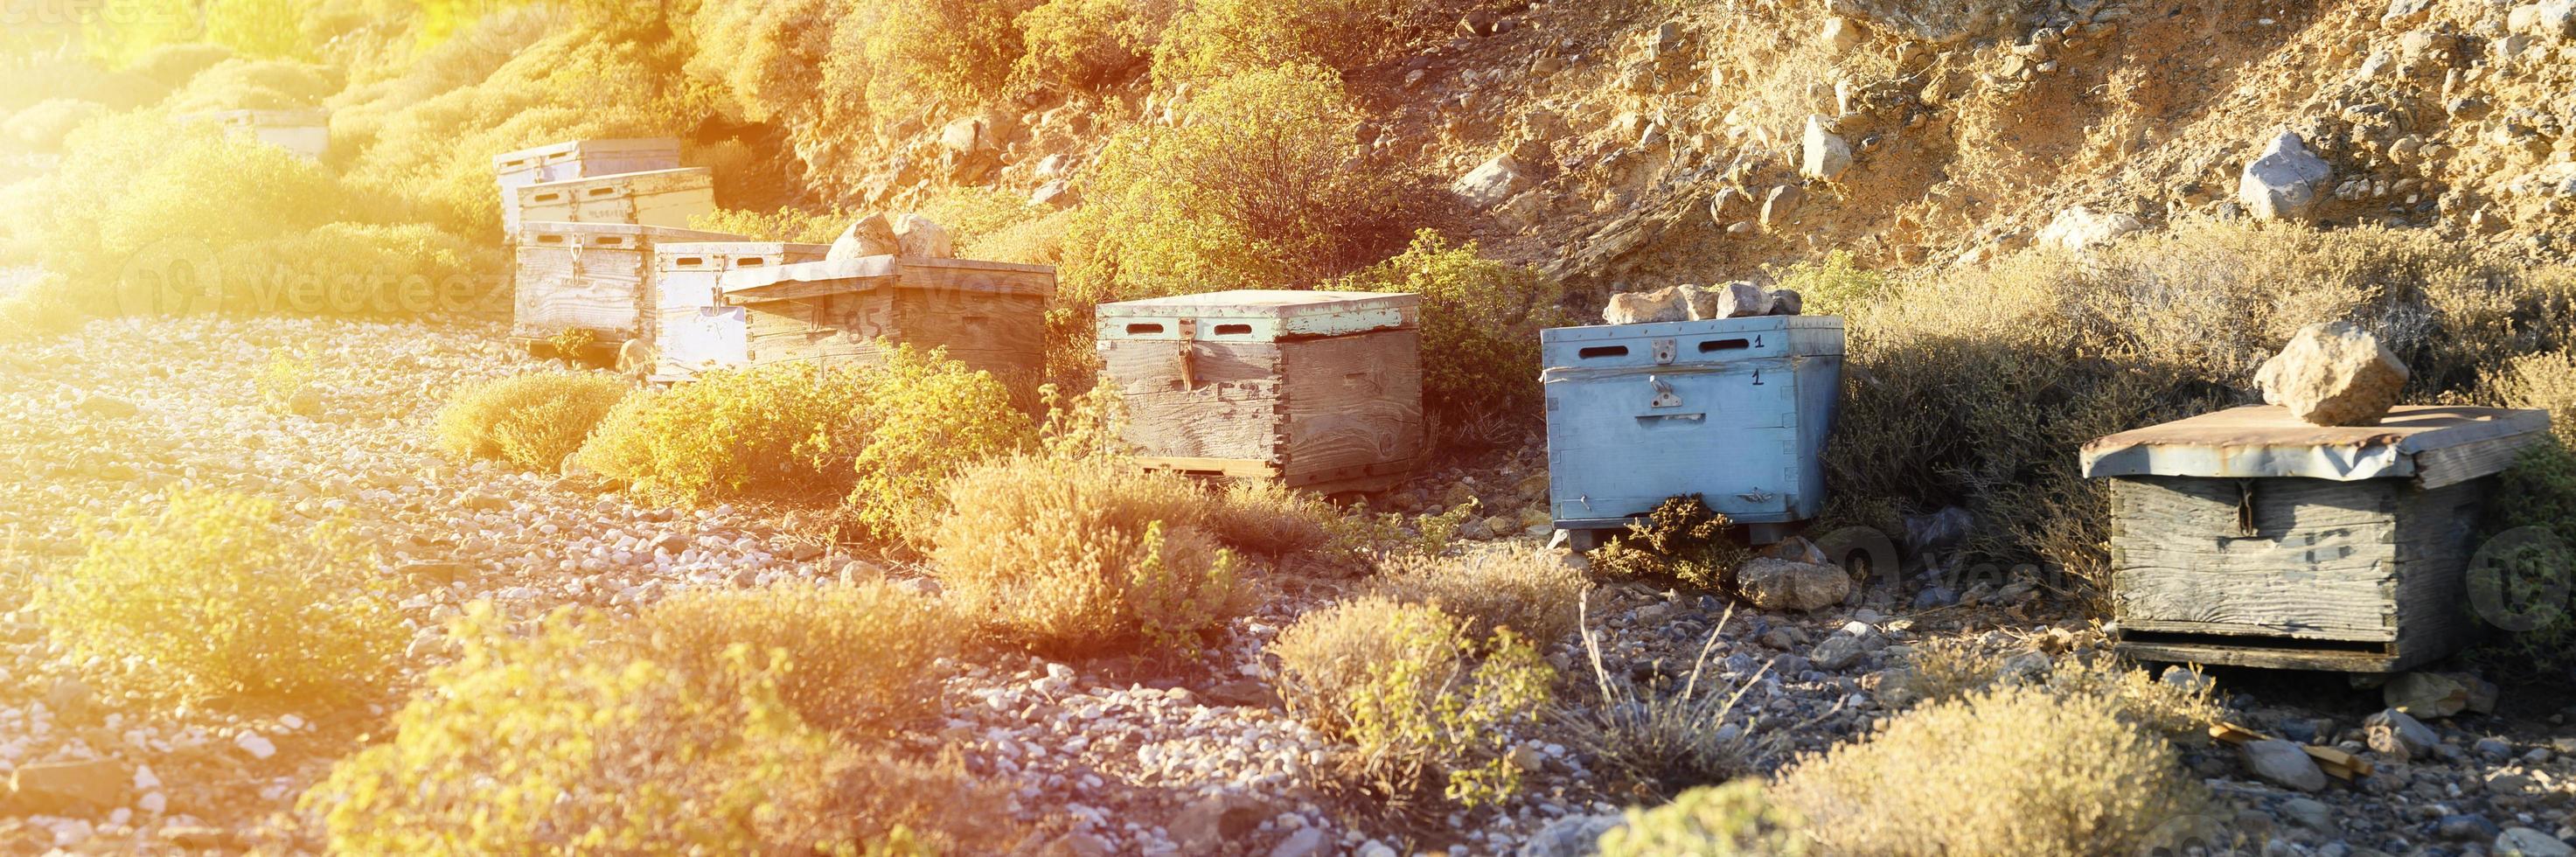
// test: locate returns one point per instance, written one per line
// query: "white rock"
(257, 745)
(1827, 156)
(921, 238)
(1491, 182)
(2527, 842)
(2333, 374)
(2078, 228)
(2283, 763)
(2285, 182)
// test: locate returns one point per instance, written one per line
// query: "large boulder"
(918, 236)
(1666, 304)
(2285, 182)
(867, 236)
(1826, 155)
(1772, 583)
(1492, 182)
(2333, 374)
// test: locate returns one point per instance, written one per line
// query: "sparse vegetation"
(533, 421)
(2024, 771)
(773, 431)
(1480, 325)
(1680, 539)
(1737, 819)
(1428, 708)
(858, 657)
(208, 598)
(1664, 739)
(1533, 593)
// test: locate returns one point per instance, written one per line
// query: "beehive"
(574, 159)
(989, 315)
(595, 277)
(1318, 390)
(654, 198)
(1735, 410)
(304, 131)
(2247, 537)
(695, 327)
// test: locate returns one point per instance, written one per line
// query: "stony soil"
(1122, 756)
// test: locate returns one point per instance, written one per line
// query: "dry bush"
(532, 420)
(1681, 539)
(359, 269)
(1254, 188)
(1665, 739)
(569, 741)
(1737, 819)
(972, 213)
(210, 598)
(256, 84)
(140, 201)
(39, 310)
(859, 657)
(2020, 771)
(1970, 387)
(1480, 324)
(1404, 684)
(1080, 556)
(1267, 518)
(173, 65)
(1085, 45)
(779, 431)
(42, 126)
(1944, 669)
(2544, 380)
(1213, 39)
(925, 419)
(1770, 83)
(785, 224)
(1532, 592)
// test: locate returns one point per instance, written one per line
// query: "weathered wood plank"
(1352, 401)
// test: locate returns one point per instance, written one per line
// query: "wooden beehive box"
(1735, 410)
(653, 198)
(304, 131)
(574, 159)
(2247, 537)
(596, 277)
(695, 327)
(1319, 390)
(989, 315)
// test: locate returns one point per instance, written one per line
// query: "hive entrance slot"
(1600, 351)
(1144, 328)
(1724, 345)
(1228, 329)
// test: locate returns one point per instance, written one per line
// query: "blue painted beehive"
(1734, 410)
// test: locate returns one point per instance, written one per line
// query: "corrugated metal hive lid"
(2436, 443)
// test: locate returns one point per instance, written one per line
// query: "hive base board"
(2267, 652)
(1596, 530)
(1369, 479)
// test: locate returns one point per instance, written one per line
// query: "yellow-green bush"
(925, 419)
(1403, 683)
(210, 598)
(780, 431)
(38, 310)
(42, 126)
(1732, 820)
(924, 54)
(859, 656)
(570, 741)
(1083, 556)
(1083, 45)
(1212, 39)
(972, 213)
(1029, 242)
(1942, 669)
(1970, 387)
(1480, 324)
(2545, 380)
(255, 84)
(2522, 584)
(1834, 285)
(173, 64)
(785, 224)
(138, 198)
(360, 269)
(1681, 539)
(2021, 770)
(1534, 593)
(533, 420)
(1256, 187)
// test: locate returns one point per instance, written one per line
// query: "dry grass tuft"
(1534, 593)
(859, 656)
(2020, 771)
(1404, 684)
(1669, 739)
(1270, 519)
(532, 421)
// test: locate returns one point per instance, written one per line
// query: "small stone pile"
(1691, 302)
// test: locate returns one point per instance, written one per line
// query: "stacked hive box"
(988, 315)
(2248, 537)
(306, 132)
(1735, 410)
(573, 160)
(592, 277)
(696, 328)
(656, 198)
(1318, 390)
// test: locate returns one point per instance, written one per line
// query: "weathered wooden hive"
(695, 327)
(1319, 390)
(575, 159)
(304, 131)
(2247, 537)
(989, 315)
(595, 277)
(1735, 410)
(653, 198)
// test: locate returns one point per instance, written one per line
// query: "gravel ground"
(1123, 756)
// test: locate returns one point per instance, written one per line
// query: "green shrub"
(970, 214)
(359, 269)
(1084, 556)
(42, 126)
(859, 657)
(255, 84)
(532, 421)
(568, 741)
(1254, 188)
(1533, 593)
(1834, 285)
(1653, 737)
(778, 431)
(173, 65)
(785, 224)
(139, 198)
(1732, 820)
(2521, 582)
(2022, 771)
(1085, 45)
(1403, 685)
(1212, 39)
(211, 599)
(923, 54)
(925, 419)
(1480, 325)
(1680, 539)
